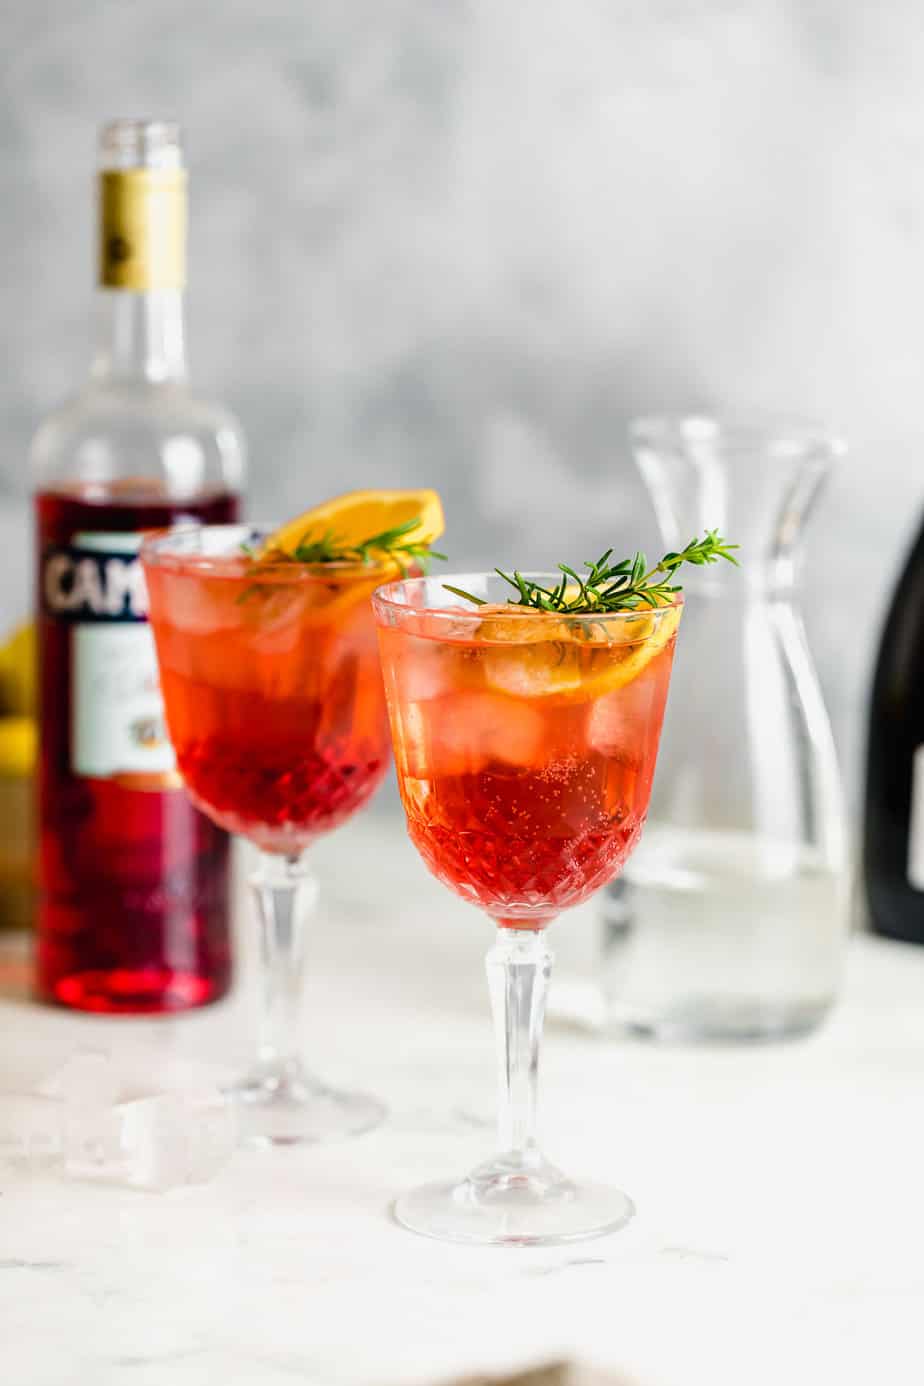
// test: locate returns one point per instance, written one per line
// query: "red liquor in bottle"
(134, 882)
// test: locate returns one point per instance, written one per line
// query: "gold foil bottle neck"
(142, 229)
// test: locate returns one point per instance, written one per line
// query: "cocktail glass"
(274, 704)
(525, 746)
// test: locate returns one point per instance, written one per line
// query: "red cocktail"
(525, 743)
(525, 748)
(275, 708)
(273, 691)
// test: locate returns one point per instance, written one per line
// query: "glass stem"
(285, 893)
(518, 967)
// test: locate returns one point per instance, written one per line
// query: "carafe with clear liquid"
(731, 919)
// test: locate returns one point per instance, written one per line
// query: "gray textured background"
(461, 243)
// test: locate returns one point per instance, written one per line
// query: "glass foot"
(516, 1204)
(284, 1105)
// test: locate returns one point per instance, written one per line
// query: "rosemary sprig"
(331, 548)
(607, 586)
(394, 542)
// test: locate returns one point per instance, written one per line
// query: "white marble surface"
(779, 1228)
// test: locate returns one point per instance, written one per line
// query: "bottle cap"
(142, 206)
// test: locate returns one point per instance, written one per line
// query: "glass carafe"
(731, 920)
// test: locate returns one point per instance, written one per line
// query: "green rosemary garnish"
(610, 586)
(393, 543)
(331, 548)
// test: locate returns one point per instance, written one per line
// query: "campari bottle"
(134, 882)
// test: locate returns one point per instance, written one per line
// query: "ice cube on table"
(93, 1142)
(30, 1129)
(183, 1135)
(154, 1141)
(167, 1141)
(191, 1079)
(87, 1079)
(214, 1135)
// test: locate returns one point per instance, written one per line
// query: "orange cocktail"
(525, 740)
(274, 701)
(273, 692)
(272, 689)
(525, 743)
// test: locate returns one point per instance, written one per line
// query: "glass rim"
(738, 429)
(385, 598)
(157, 551)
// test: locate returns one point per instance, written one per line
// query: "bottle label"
(142, 228)
(96, 584)
(916, 822)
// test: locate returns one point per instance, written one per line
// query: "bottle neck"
(142, 336)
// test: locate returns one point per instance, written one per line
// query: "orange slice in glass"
(353, 518)
(540, 655)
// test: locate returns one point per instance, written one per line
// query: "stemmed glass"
(274, 704)
(525, 745)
